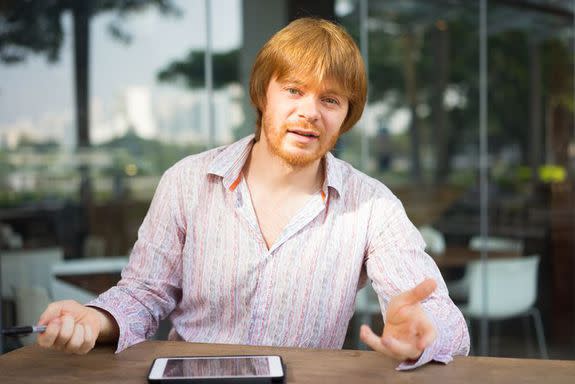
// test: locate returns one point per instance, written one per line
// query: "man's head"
(315, 50)
(308, 78)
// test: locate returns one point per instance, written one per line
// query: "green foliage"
(509, 83)
(190, 70)
(35, 27)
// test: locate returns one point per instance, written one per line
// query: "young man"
(266, 241)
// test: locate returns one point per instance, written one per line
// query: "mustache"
(305, 125)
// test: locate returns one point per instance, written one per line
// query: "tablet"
(217, 369)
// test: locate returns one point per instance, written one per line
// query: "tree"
(419, 51)
(190, 69)
(35, 27)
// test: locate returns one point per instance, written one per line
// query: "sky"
(41, 94)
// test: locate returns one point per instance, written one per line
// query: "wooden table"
(95, 283)
(459, 256)
(35, 365)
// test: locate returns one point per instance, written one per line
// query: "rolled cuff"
(435, 351)
(134, 321)
(426, 357)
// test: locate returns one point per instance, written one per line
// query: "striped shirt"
(201, 259)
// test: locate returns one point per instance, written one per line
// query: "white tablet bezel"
(158, 369)
(276, 368)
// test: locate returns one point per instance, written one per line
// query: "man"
(266, 241)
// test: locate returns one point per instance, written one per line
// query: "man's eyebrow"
(293, 81)
(336, 91)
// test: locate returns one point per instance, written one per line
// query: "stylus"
(23, 330)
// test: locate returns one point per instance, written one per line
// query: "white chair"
(511, 291)
(26, 268)
(459, 289)
(495, 244)
(434, 240)
(26, 280)
(31, 301)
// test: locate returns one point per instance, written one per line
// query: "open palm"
(408, 330)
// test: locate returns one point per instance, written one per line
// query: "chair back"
(511, 287)
(30, 301)
(28, 267)
(495, 244)
(434, 240)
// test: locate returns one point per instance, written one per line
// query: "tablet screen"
(208, 367)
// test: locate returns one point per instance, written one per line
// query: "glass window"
(420, 135)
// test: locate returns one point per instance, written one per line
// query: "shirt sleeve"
(150, 286)
(396, 262)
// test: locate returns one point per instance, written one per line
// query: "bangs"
(315, 60)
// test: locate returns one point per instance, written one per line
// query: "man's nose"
(308, 109)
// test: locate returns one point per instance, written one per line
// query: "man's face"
(301, 122)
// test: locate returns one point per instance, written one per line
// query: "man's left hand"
(407, 330)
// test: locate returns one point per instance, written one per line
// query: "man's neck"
(277, 176)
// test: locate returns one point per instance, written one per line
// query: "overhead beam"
(537, 7)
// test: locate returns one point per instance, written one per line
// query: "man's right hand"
(74, 328)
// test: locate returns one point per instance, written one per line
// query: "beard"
(297, 158)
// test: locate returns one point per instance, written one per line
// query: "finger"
(89, 340)
(47, 338)
(373, 341)
(52, 311)
(369, 338)
(402, 350)
(77, 339)
(427, 335)
(418, 293)
(66, 331)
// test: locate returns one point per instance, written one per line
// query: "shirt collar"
(229, 163)
(333, 174)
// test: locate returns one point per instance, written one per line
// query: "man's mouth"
(304, 133)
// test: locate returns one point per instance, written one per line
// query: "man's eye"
(293, 91)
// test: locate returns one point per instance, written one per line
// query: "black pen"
(24, 330)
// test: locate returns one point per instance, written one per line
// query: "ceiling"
(544, 19)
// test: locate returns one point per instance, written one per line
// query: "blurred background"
(470, 122)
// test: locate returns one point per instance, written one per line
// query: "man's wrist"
(109, 329)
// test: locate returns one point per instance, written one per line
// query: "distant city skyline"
(37, 98)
